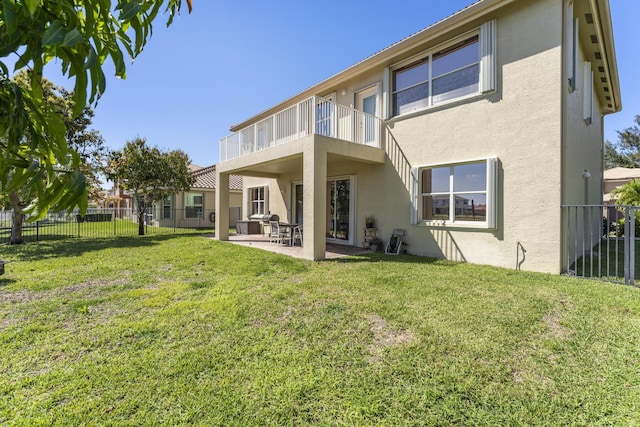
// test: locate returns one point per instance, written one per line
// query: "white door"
(366, 101)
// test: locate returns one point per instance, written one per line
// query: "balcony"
(313, 116)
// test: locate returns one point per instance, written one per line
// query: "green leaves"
(129, 10)
(32, 5)
(9, 16)
(54, 34)
(80, 36)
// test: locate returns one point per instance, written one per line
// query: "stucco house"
(499, 106)
(196, 207)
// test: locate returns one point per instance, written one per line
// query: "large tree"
(82, 35)
(149, 173)
(625, 152)
(87, 142)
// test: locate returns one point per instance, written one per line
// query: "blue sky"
(227, 61)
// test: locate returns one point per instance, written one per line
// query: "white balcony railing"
(314, 115)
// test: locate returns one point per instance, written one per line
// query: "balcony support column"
(315, 201)
(222, 206)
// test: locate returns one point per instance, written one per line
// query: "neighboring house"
(196, 207)
(118, 199)
(470, 135)
(616, 178)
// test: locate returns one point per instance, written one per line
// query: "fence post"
(632, 246)
(627, 235)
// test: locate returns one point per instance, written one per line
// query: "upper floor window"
(465, 67)
(447, 74)
(193, 205)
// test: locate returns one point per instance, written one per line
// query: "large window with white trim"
(447, 74)
(461, 193)
(464, 67)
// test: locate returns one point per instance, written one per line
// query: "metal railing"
(314, 115)
(105, 222)
(601, 242)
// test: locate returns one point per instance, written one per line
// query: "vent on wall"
(589, 18)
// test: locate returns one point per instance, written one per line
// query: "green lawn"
(69, 228)
(606, 261)
(183, 330)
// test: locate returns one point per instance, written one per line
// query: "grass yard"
(180, 329)
(69, 229)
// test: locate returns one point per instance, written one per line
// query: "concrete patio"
(262, 242)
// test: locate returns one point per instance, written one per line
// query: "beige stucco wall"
(530, 123)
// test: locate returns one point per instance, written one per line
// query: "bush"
(620, 231)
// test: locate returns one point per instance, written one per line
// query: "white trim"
(572, 46)
(352, 209)
(488, 60)
(265, 200)
(490, 192)
(386, 99)
(414, 195)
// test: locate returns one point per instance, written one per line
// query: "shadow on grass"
(76, 247)
(5, 282)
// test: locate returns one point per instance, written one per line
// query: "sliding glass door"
(340, 202)
(339, 208)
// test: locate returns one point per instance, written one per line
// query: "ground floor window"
(193, 205)
(458, 193)
(257, 201)
(166, 207)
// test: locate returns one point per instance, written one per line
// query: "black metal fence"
(106, 222)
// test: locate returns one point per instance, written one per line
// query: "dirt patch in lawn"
(385, 337)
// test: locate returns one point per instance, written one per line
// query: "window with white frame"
(166, 207)
(257, 201)
(465, 67)
(193, 205)
(461, 193)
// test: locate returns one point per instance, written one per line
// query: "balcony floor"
(259, 241)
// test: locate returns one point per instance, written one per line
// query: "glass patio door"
(339, 202)
(298, 217)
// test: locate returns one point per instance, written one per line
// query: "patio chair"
(296, 234)
(277, 234)
(395, 242)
